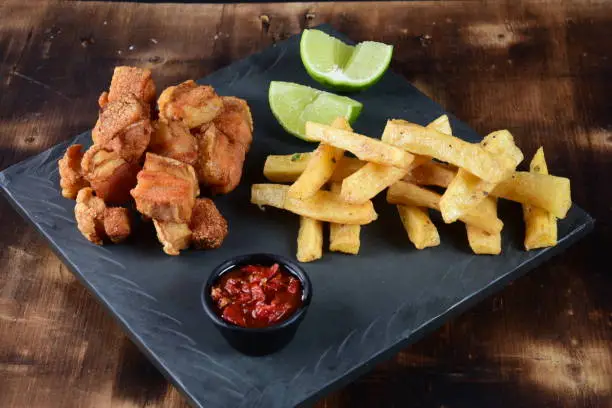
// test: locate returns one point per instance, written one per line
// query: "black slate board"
(364, 308)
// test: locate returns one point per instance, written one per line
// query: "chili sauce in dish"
(256, 296)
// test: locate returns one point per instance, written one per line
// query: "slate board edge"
(125, 327)
(456, 310)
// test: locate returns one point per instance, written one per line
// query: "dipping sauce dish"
(257, 301)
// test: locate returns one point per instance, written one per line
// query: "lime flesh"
(340, 66)
(293, 105)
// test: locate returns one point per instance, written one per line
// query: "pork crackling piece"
(71, 174)
(208, 227)
(166, 189)
(193, 104)
(129, 80)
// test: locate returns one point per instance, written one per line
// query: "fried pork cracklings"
(198, 138)
(166, 189)
(223, 145)
(208, 227)
(71, 174)
(190, 103)
(212, 133)
(98, 222)
(129, 80)
(206, 230)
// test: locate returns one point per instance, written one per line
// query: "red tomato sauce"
(256, 296)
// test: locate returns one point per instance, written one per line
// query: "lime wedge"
(293, 105)
(340, 66)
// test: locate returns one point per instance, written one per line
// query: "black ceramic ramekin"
(258, 341)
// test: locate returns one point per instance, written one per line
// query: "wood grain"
(542, 69)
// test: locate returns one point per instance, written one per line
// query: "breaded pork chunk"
(173, 139)
(166, 189)
(173, 236)
(111, 176)
(98, 222)
(117, 224)
(71, 175)
(193, 104)
(129, 80)
(124, 127)
(223, 145)
(89, 214)
(208, 226)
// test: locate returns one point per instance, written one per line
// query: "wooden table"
(542, 69)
